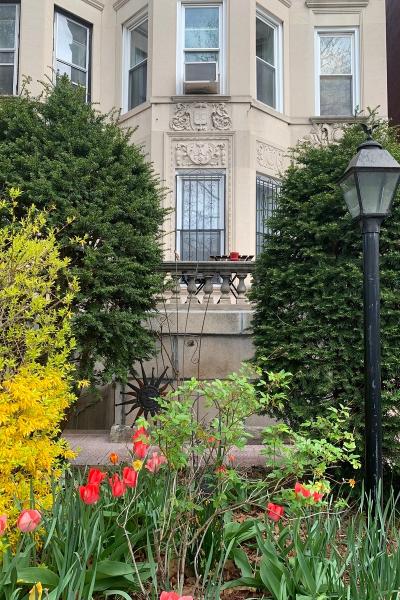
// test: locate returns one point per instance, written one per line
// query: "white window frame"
(278, 51)
(355, 59)
(16, 45)
(180, 64)
(74, 19)
(181, 174)
(127, 38)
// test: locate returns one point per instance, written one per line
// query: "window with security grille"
(200, 215)
(266, 201)
(9, 34)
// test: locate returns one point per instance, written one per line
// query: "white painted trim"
(95, 3)
(15, 49)
(180, 29)
(277, 26)
(128, 27)
(355, 46)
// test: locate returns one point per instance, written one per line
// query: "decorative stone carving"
(323, 134)
(200, 116)
(200, 154)
(270, 157)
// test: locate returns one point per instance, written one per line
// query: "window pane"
(6, 79)
(336, 96)
(139, 44)
(265, 47)
(202, 222)
(266, 87)
(137, 85)
(7, 58)
(7, 26)
(335, 55)
(201, 27)
(201, 56)
(76, 76)
(266, 201)
(71, 42)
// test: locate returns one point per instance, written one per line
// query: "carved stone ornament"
(200, 154)
(323, 134)
(270, 157)
(200, 116)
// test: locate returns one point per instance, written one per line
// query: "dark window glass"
(267, 190)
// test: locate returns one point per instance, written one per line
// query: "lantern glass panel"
(377, 190)
(350, 194)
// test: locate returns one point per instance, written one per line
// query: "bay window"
(268, 59)
(72, 49)
(9, 37)
(337, 72)
(200, 214)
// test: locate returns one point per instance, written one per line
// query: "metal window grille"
(200, 215)
(266, 200)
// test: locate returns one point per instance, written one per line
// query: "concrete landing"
(95, 447)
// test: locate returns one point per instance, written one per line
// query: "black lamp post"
(369, 185)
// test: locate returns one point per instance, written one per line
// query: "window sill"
(332, 119)
(270, 111)
(201, 98)
(134, 111)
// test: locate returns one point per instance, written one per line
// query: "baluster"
(176, 289)
(241, 288)
(208, 289)
(192, 289)
(225, 288)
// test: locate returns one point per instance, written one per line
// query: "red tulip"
(174, 596)
(96, 476)
(3, 524)
(275, 511)
(118, 487)
(141, 435)
(317, 497)
(221, 470)
(28, 520)
(140, 449)
(301, 490)
(153, 464)
(129, 477)
(90, 493)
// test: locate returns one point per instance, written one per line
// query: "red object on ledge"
(234, 256)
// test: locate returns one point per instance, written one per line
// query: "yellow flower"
(83, 383)
(36, 592)
(137, 465)
(352, 482)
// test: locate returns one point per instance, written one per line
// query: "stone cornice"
(336, 6)
(287, 3)
(119, 4)
(96, 3)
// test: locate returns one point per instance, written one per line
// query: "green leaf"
(33, 575)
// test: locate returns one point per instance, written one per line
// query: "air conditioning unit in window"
(201, 78)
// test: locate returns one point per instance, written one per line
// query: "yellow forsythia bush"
(35, 347)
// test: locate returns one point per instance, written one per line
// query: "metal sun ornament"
(143, 396)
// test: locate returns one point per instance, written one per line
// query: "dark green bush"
(308, 291)
(66, 155)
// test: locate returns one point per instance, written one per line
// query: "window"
(9, 33)
(267, 190)
(137, 41)
(337, 73)
(72, 49)
(200, 215)
(201, 48)
(268, 59)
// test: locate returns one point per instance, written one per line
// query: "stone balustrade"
(219, 282)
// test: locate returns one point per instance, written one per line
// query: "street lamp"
(369, 185)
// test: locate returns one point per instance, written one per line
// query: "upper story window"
(137, 49)
(337, 72)
(9, 34)
(269, 61)
(72, 49)
(201, 58)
